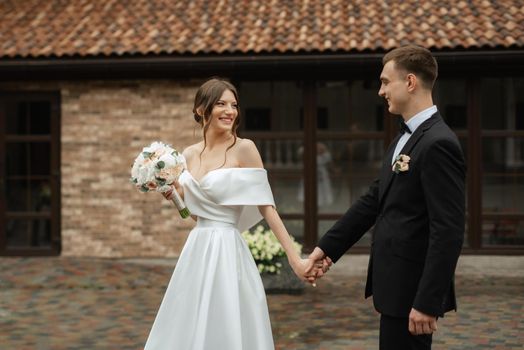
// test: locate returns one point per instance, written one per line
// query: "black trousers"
(394, 335)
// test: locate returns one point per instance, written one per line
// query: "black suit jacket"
(419, 225)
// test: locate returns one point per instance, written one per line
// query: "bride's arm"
(301, 267)
(249, 157)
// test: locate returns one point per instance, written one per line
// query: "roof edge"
(204, 64)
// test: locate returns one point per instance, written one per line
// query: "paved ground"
(65, 303)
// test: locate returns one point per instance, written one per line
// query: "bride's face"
(224, 112)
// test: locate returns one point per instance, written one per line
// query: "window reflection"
(502, 103)
(271, 105)
(350, 106)
(352, 168)
(17, 198)
(502, 110)
(451, 100)
(324, 187)
(29, 233)
(503, 231)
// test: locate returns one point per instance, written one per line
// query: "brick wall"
(104, 125)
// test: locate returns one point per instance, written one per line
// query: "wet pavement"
(80, 303)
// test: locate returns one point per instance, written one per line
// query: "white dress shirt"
(413, 123)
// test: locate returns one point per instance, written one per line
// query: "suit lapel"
(387, 175)
(413, 140)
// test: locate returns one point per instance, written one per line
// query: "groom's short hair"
(417, 60)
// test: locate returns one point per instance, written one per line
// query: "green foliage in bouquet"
(266, 249)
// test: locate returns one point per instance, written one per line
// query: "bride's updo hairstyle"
(205, 99)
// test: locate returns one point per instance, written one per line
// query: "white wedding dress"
(215, 299)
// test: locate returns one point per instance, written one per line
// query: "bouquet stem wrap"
(180, 205)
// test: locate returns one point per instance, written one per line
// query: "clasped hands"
(313, 267)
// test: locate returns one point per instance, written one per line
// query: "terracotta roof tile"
(40, 28)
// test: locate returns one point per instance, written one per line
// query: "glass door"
(502, 162)
(29, 174)
(351, 139)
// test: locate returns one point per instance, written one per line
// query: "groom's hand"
(310, 273)
(322, 262)
(420, 323)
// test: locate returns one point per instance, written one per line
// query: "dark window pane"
(366, 107)
(17, 120)
(350, 106)
(17, 233)
(17, 195)
(40, 158)
(282, 98)
(258, 119)
(288, 191)
(41, 233)
(503, 191)
(451, 100)
(296, 229)
(280, 155)
(520, 115)
(40, 118)
(28, 233)
(379, 118)
(40, 195)
(322, 118)
(17, 154)
(501, 103)
(283, 159)
(345, 169)
(503, 154)
(503, 231)
(456, 116)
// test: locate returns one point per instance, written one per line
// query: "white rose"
(145, 173)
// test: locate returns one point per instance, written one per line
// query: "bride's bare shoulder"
(191, 151)
(246, 144)
(248, 154)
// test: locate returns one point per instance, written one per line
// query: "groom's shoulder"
(440, 131)
(441, 137)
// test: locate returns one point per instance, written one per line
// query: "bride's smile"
(225, 111)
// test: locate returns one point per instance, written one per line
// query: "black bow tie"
(403, 127)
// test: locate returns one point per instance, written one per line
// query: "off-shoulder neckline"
(219, 169)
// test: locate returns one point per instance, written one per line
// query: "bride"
(215, 299)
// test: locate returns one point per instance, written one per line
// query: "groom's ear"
(411, 81)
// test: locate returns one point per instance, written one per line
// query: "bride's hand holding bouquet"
(157, 168)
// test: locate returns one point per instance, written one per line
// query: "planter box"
(284, 283)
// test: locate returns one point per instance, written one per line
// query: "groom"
(417, 206)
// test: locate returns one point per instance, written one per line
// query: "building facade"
(79, 101)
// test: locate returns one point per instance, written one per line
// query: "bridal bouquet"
(156, 168)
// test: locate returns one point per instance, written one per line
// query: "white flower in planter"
(266, 249)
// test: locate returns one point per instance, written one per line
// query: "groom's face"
(394, 88)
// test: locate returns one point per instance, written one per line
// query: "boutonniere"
(401, 163)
